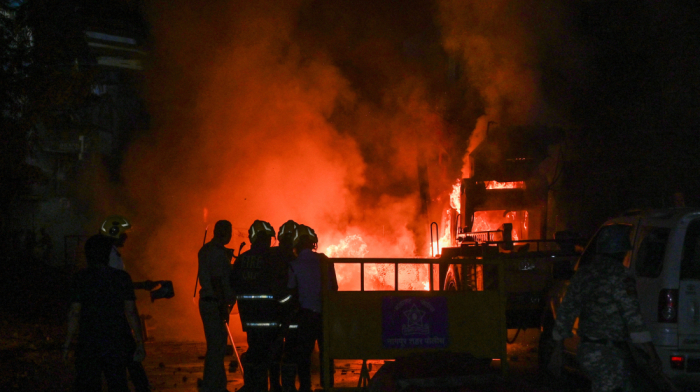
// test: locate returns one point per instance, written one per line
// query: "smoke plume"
(313, 111)
(518, 55)
(255, 118)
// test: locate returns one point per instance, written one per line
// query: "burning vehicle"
(503, 209)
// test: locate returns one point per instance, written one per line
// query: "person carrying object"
(103, 307)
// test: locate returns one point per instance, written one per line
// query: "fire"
(455, 196)
(446, 239)
(505, 185)
(378, 276)
(352, 246)
(492, 221)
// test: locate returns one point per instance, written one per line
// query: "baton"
(238, 358)
(239, 250)
(196, 281)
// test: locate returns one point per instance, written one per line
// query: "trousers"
(138, 377)
(214, 378)
(299, 346)
(89, 372)
(607, 366)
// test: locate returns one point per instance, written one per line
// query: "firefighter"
(215, 301)
(305, 278)
(253, 279)
(115, 228)
(282, 255)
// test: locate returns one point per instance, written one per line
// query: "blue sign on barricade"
(414, 322)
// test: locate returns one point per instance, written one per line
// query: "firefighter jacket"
(257, 288)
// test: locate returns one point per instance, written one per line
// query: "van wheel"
(546, 345)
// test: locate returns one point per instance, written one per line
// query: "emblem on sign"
(414, 322)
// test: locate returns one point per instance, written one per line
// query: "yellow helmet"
(260, 227)
(305, 231)
(114, 226)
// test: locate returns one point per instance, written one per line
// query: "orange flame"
(505, 185)
(455, 196)
(378, 276)
(352, 246)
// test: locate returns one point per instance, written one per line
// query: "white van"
(665, 261)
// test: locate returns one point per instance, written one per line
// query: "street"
(176, 366)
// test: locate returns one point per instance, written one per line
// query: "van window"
(650, 256)
(690, 265)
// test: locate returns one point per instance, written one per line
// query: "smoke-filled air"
(320, 112)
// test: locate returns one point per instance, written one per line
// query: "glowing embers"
(382, 277)
(505, 185)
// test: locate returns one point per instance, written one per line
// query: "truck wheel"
(546, 344)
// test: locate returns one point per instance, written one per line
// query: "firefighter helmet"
(260, 227)
(289, 228)
(304, 231)
(614, 239)
(114, 226)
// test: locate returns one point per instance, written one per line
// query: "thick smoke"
(314, 111)
(518, 55)
(253, 118)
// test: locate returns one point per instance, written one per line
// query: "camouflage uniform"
(604, 298)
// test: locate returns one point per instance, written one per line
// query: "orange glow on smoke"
(255, 136)
(505, 185)
(351, 246)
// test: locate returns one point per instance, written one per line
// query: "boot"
(254, 377)
(289, 375)
(275, 378)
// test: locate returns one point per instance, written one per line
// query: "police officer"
(253, 279)
(283, 255)
(215, 299)
(603, 296)
(305, 277)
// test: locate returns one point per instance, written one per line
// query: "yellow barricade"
(391, 324)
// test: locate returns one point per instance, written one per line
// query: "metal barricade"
(374, 325)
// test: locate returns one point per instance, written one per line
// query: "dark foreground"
(30, 360)
(33, 328)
